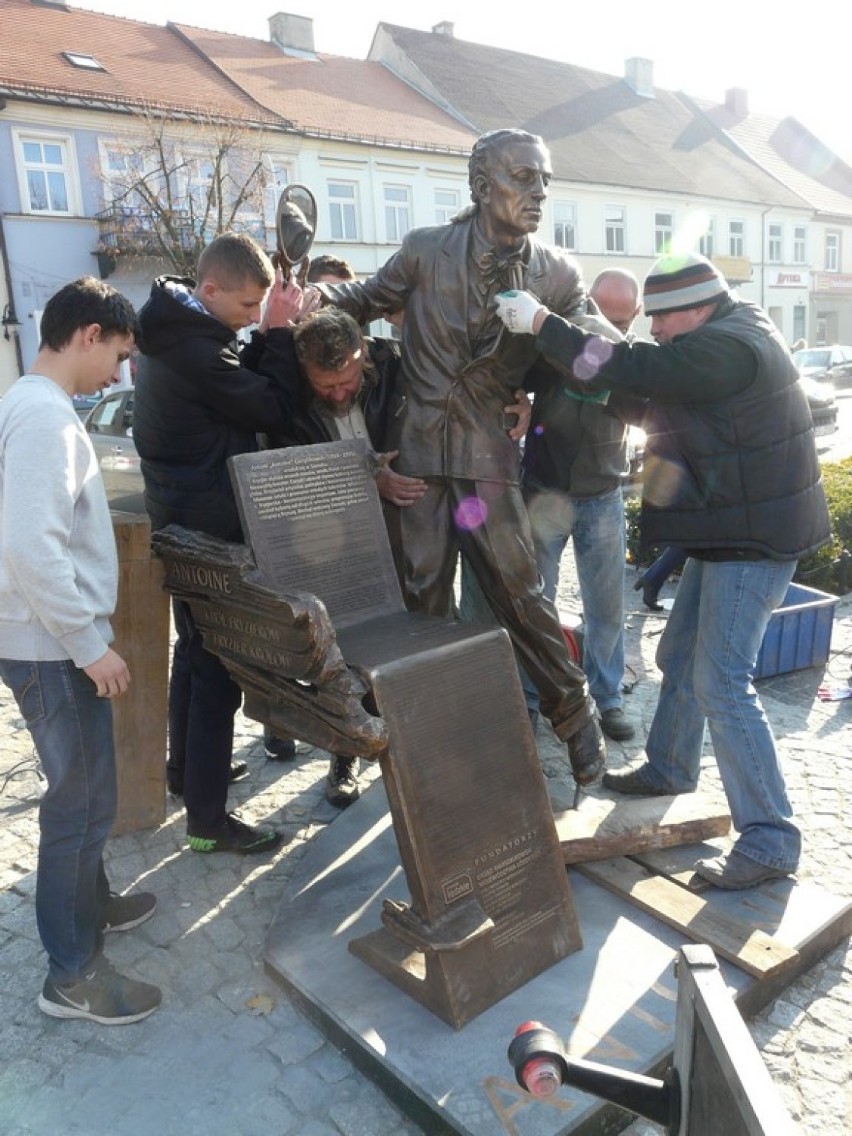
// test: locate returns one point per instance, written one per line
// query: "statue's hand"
(518, 311)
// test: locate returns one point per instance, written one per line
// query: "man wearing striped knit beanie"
(732, 478)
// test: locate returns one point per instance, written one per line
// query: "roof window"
(87, 62)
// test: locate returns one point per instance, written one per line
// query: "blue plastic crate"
(798, 634)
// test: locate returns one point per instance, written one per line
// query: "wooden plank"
(601, 829)
(749, 948)
(141, 626)
(678, 864)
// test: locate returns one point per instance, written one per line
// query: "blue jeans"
(596, 526)
(72, 731)
(707, 656)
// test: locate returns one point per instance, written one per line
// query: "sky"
(785, 57)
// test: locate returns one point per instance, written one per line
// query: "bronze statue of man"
(459, 369)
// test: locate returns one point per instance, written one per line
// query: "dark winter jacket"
(195, 406)
(731, 464)
(575, 444)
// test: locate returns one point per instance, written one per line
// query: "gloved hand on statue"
(518, 310)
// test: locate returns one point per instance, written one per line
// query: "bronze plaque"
(313, 519)
(490, 901)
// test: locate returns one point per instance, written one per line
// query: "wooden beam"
(600, 829)
(740, 942)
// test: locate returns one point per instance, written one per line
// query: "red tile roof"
(186, 70)
(146, 65)
(331, 95)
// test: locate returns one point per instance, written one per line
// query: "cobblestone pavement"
(228, 1053)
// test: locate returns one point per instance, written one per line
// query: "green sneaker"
(233, 835)
(103, 996)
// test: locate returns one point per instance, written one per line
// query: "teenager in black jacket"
(196, 405)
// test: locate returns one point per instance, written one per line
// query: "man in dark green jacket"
(732, 477)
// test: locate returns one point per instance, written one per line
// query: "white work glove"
(517, 310)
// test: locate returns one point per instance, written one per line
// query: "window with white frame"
(447, 204)
(565, 225)
(800, 244)
(707, 240)
(343, 211)
(736, 238)
(397, 212)
(47, 175)
(124, 166)
(663, 232)
(774, 243)
(832, 252)
(614, 228)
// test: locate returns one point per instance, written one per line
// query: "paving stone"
(209, 1063)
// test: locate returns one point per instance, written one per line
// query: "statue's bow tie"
(494, 269)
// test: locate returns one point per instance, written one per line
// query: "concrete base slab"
(613, 1001)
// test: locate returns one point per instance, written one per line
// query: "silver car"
(110, 427)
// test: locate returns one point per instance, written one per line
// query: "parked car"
(84, 404)
(825, 363)
(822, 403)
(110, 427)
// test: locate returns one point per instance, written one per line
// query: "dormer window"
(86, 62)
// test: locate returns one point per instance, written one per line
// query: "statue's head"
(508, 173)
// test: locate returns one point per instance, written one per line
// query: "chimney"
(293, 34)
(445, 28)
(639, 76)
(736, 100)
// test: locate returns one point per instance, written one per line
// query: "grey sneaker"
(123, 912)
(341, 784)
(103, 996)
(735, 872)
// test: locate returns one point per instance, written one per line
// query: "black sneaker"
(174, 781)
(616, 725)
(233, 835)
(123, 912)
(341, 784)
(103, 996)
(278, 749)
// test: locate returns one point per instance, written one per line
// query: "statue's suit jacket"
(452, 391)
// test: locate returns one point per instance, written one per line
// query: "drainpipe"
(763, 217)
(8, 275)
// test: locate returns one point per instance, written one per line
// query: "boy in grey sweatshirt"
(58, 586)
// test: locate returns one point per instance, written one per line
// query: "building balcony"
(125, 231)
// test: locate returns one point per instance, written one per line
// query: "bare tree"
(170, 187)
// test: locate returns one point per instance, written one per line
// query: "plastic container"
(798, 634)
